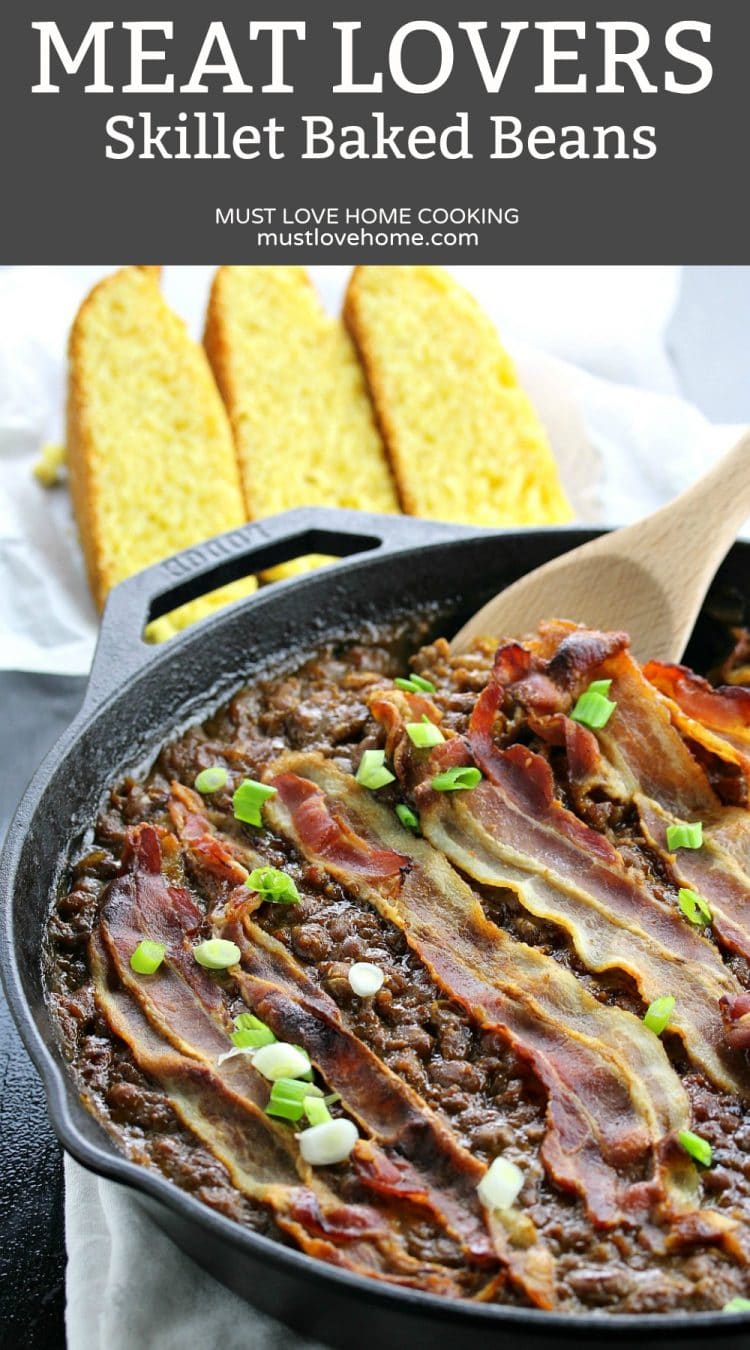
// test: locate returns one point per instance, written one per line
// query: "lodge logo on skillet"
(225, 546)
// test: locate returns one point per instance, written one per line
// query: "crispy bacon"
(569, 873)
(175, 1024)
(592, 1060)
(725, 710)
(412, 1155)
(648, 764)
(736, 1014)
(332, 839)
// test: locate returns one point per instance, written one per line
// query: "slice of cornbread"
(303, 423)
(150, 454)
(464, 441)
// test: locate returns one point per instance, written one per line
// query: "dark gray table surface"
(708, 342)
(35, 710)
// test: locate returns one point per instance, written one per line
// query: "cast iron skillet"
(137, 696)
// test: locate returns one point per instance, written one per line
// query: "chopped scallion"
(331, 1142)
(296, 1089)
(658, 1014)
(288, 1098)
(316, 1110)
(251, 1033)
(737, 1305)
(416, 684)
(409, 819)
(210, 780)
(273, 885)
(248, 800)
(365, 978)
(247, 1021)
(599, 687)
(685, 836)
(217, 954)
(698, 1148)
(458, 779)
(501, 1184)
(252, 1040)
(285, 1108)
(424, 734)
(372, 772)
(694, 907)
(281, 1060)
(593, 708)
(147, 957)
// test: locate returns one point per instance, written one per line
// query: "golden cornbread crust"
(151, 458)
(303, 424)
(464, 441)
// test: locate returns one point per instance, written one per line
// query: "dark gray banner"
(187, 132)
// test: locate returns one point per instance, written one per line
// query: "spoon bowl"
(649, 579)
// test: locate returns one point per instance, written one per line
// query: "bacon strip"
(725, 710)
(511, 831)
(418, 1158)
(257, 1166)
(611, 1092)
(667, 784)
(422, 1162)
(710, 871)
(183, 1004)
(656, 771)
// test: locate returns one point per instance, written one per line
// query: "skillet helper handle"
(121, 650)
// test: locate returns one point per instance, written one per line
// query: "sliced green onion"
(281, 1060)
(217, 954)
(331, 1142)
(372, 772)
(288, 1098)
(457, 779)
(316, 1110)
(307, 1076)
(599, 687)
(658, 1014)
(685, 836)
(737, 1305)
(424, 734)
(250, 1033)
(247, 1021)
(295, 1089)
(331, 1098)
(210, 780)
(238, 1050)
(274, 885)
(416, 684)
(147, 957)
(408, 817)
(501, 1184)
(698, 1148)
(365, 978)
(593, 708)
(285, 1108)
(252, 1040)
(694, 907)
(424, 686)
(248, 800)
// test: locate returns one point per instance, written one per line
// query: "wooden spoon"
(648, 579)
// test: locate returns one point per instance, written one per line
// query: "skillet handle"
(121, 650)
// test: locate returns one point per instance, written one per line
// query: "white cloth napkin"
(129, 1288)
(599, 375)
